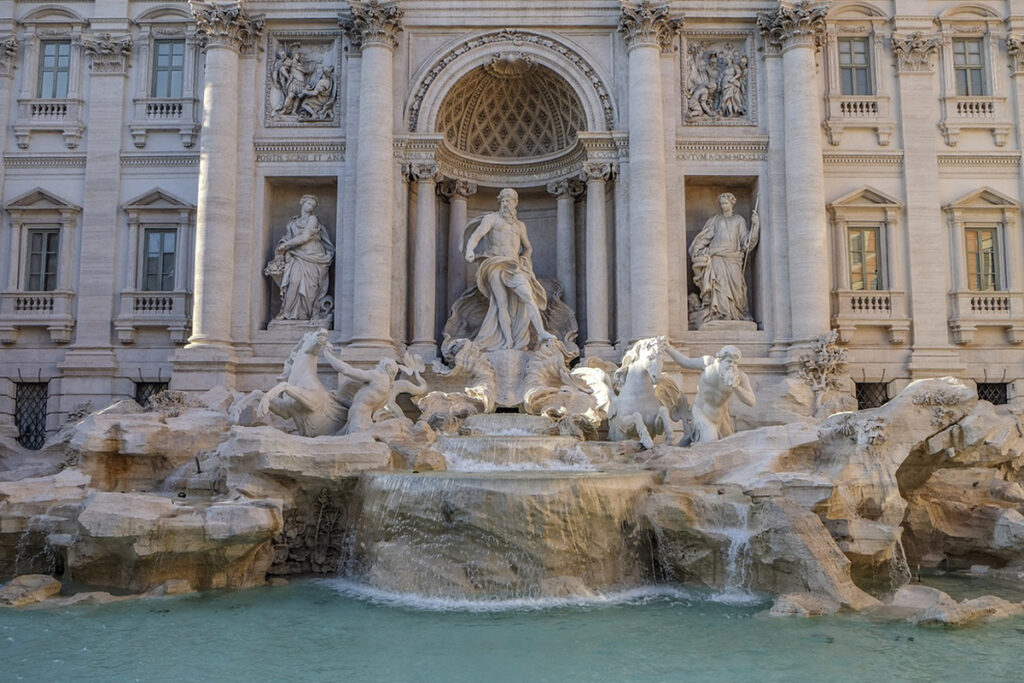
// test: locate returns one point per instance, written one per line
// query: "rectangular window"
(969, 67)
(865, 258)
(159, 260)
(54, 68)
(871, 394)
(168, 68)
(43, 246)
(30, 413)
(982, 259)
(854, 67)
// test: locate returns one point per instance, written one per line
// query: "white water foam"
(457, 463)
(632, 596)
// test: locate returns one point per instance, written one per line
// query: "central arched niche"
(511, 108)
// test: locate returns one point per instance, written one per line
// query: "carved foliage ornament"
(228, 25)
(374, 23)
(647, 24)
(801, 24)
(601, 171)
(1015, 48)
(109, 54)
(913, 52)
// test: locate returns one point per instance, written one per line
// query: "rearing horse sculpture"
(301, 396)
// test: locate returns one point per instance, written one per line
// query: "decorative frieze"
(302, 80)
(109, 54)
(800, 25)
(718, 80)
(722, 150)
(373, 23)
(8, 55)
(648, 24)
(312, 152)
(227, 25)
(914, 51)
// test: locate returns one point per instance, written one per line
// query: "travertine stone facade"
(153, 152)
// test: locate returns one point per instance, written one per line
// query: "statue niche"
(301, 267)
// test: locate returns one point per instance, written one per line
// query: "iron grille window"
(54, 69)
(993, 392)
(160, 260)
(168, 68)
(144, 391)
(871, 394)
(30, 413)
(854, 66)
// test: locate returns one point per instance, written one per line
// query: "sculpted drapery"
(719, 253)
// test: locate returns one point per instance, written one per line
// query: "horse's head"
(313, 342)
(644, 355)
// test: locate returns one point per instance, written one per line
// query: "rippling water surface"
(332, 630)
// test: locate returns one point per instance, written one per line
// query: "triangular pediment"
(866, 197)
(158, 200)
(984, 198)
(39, 199)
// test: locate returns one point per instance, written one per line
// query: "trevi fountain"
(515, 504)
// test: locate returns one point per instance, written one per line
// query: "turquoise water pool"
(330, 630)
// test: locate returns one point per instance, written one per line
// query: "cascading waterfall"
(739, 556)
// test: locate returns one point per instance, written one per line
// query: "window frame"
(156, 69)
(982, 69)
(867, 68)
(878, 229)
(146, 229)
(56, 69)
(49, 261)
(873, 110)
(996, 277)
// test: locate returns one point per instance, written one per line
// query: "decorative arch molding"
(968, 11)
(854, 10)
(171, 14)
(53, 14)
(447, 66)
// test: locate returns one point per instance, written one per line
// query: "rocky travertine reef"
(828, 514)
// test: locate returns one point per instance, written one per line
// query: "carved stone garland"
(802, 24)
(8, 55)
(1015, 48)
(914, 52)
(227, 25)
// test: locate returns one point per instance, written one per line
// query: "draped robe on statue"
(718, 253)
(513, 271)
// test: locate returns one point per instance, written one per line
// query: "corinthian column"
(565, 192)
(644, 26)
(424, 259)
(596, 176)
(798, 31)
(226, 28)
(374, 27)
(457, 192)
(8, 60)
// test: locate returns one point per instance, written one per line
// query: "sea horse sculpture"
(301, 396)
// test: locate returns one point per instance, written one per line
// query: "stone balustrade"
(971, 310)
(168, 310)
(870, 308)
(50, 310)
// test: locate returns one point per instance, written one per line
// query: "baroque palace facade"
(187, 188)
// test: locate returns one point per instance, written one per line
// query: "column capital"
(567, 187)
(914, 52)
(109, 54)
(1015, 48)
(645, 24)
(227, 24)
(421, 171)
(8, 55)
(373, 23)
(457, 188)
(799, 25)
(597, 171)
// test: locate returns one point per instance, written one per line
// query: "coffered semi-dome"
(511, 108)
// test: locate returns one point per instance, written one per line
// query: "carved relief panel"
(718, 79)
(303, 80)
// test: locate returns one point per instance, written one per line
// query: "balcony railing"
(971, 310)
(44, 114)
(180, 115)
(170, 310)
(52, 310)
(859, 111)
(870, 308)
(975, 113)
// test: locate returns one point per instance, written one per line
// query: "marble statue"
(505, 276)
(551, 390)
(371, 394)
(720, 252)
(642, 402)
(720, 378)
(301, 396)
(468, 384)
(300, 266)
